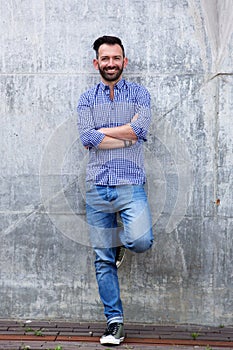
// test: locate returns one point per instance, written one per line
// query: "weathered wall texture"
(182, 51)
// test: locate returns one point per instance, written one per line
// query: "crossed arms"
(115, 137)
(132, 130)
(112, 137)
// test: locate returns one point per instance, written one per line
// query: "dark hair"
(109, 40)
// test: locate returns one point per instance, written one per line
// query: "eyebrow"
(106, 56)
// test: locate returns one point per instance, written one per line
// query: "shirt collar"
(119, 85)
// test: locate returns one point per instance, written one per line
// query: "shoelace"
(112, 329)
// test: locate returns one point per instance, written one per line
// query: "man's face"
(110, 62)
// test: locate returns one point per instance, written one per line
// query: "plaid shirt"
(96, 110)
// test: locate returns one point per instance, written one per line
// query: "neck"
(111, 84)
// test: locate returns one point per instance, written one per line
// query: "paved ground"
(91, 346)
(20, 335)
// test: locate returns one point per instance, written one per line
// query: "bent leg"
(138, 234)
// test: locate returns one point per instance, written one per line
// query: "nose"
(111, 62)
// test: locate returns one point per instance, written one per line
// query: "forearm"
(111, 143)
(123, 132)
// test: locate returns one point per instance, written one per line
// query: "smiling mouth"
(110, 71)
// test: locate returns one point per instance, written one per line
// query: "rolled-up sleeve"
(89, 136)
(142, 124)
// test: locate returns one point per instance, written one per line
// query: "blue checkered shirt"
(96, 110)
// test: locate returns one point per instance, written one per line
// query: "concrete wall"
(182, 51)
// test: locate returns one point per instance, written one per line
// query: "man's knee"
(141, 244)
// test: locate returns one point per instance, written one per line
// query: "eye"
(104, 59)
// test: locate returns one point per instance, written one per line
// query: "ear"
(125, 62)
(96, 64)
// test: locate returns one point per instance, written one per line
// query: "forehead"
(110, 50)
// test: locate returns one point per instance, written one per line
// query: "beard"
(111, 76)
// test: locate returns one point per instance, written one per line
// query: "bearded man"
(113, 121)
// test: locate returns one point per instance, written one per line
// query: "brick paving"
(45, 335)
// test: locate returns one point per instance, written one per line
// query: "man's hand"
(135, 117)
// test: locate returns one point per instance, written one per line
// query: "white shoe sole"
(109, 339)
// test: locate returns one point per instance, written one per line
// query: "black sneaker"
(120, 254)
(113, 335)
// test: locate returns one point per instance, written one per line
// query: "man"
(114, 117)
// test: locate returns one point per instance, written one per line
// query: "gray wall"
(181, 50)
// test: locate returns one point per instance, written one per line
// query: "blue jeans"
(103, 204)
